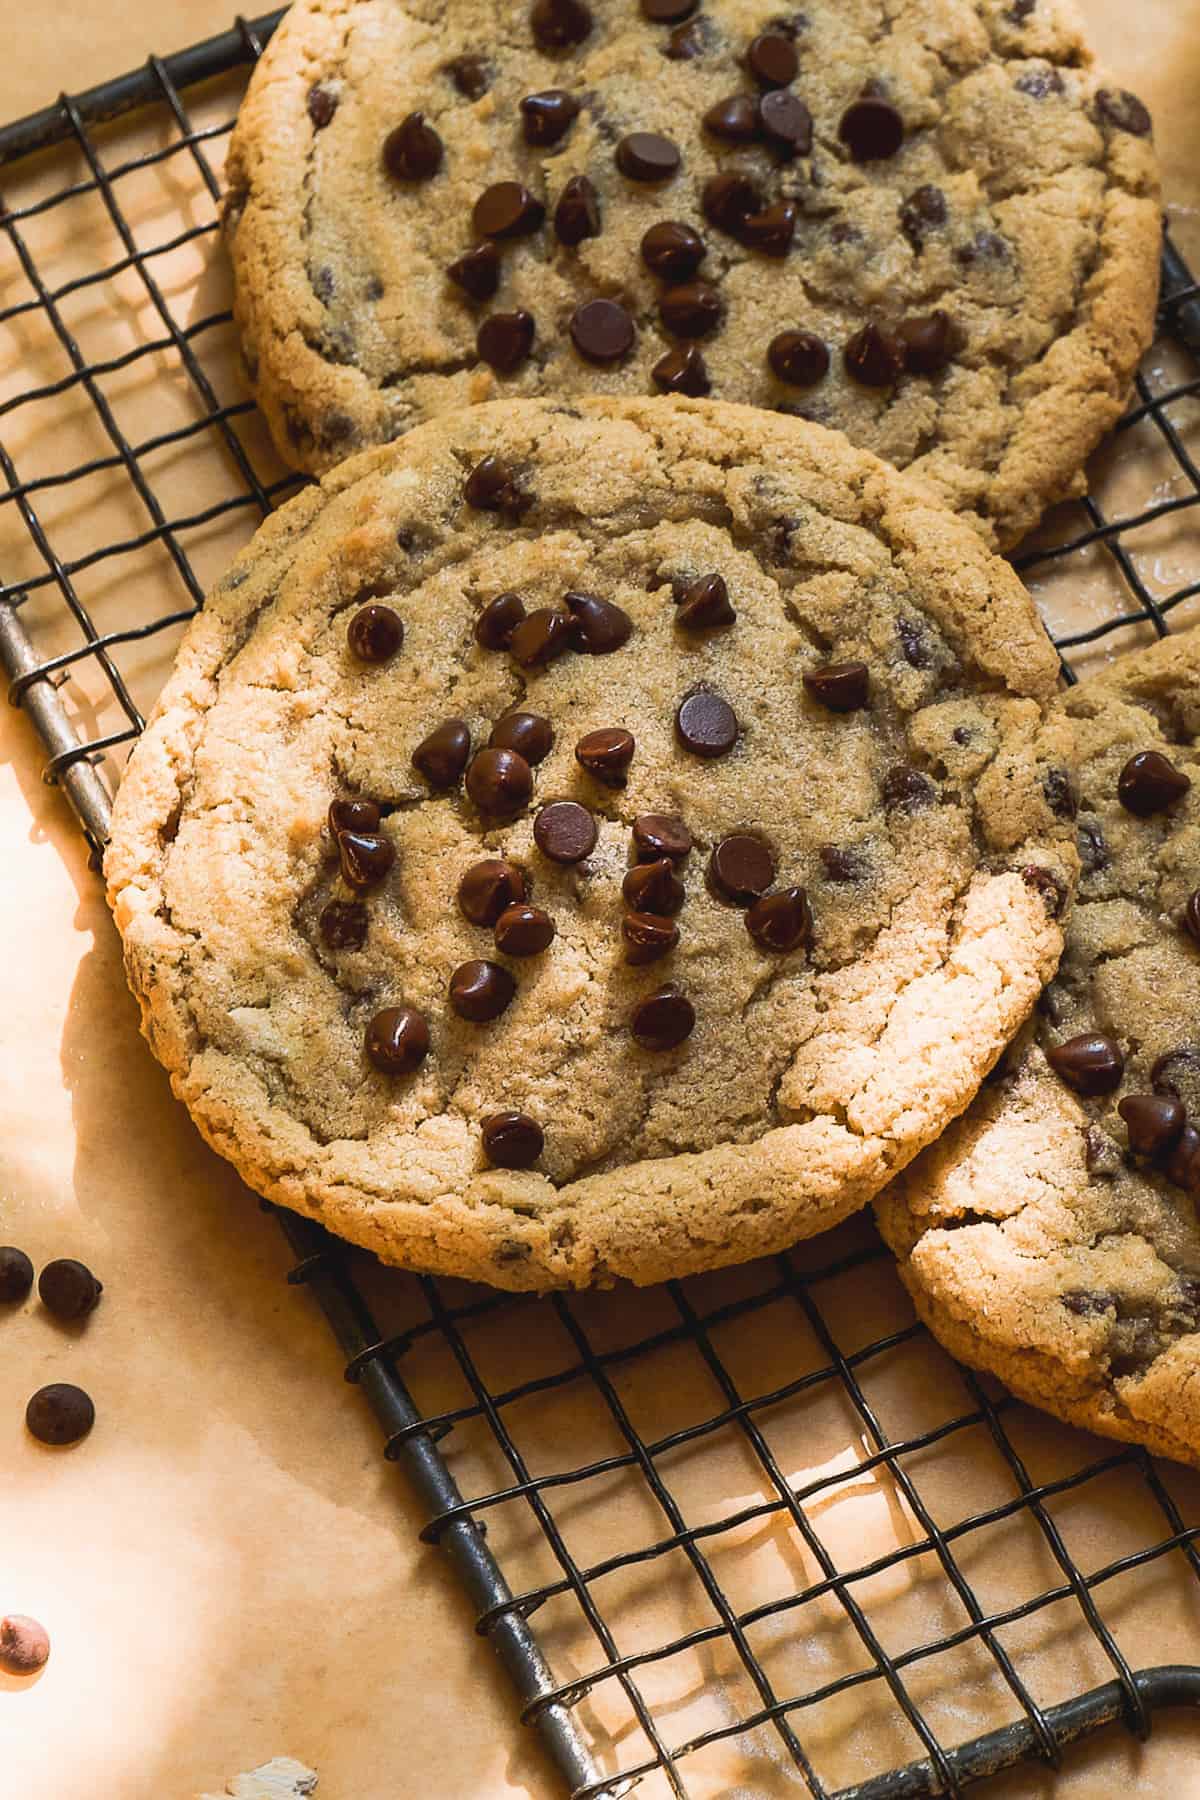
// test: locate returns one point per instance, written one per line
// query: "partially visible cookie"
(1051, 1235)
(696, 840)
(931, 224)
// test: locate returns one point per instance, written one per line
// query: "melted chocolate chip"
(68, 1289)
(653, 887)
(598, 627)
(1050, 886)
(1191, 915)
(704, 604)
(663, 1020)
(60, 1414)
(673, 251)
(1059, 790)
(1177, 1072)
(540, 638)
(343, 924)
(322, 104)
(488, 888)
(647, 156)
(706, 724)
(499, 782)
(606, 754)
(397, 1040)
(493, 487)
(1093, 851)
(16, 1274)
(1086, 1304)
(907, 789)
(772, 59)
(734, 119)
(529, 734)
(728, 200)
(511, 1140)
(577, 215)
(478, 272)
(548, 116)
(798, 357)
(871, 130)
(985, 247)
(1089, 1064)
(524, 931)
(602, 330)
(691, 311)
(353, 813)
(1154, 1121)
(786, 122)
(498, 620)
(366, 857)
(873, 356)
(741, 868)
(480, 991)
(781, 921)
(922, 212)
(926, 343)
(504, 340)
(647, 937)
(682, 371)
(442, 756)
(657, 835)
(1124, 110)
(413, 151)
(771, 231)
(842, 687)
(1149, 783)
(565, 832)
(1039, 84)
(375, 633)
(470, 75)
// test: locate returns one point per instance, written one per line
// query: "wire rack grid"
(706, 1544)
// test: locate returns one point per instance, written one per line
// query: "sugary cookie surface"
(592, 841)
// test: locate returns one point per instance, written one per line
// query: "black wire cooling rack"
(763, 1343)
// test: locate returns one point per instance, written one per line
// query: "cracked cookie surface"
(733, 633)
(1051, 1235)
(940, 234)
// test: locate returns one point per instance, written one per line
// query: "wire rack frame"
(458, 1523)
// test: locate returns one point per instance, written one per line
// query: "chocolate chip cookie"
(580, 842)
(933, 226)
(1051, 1235)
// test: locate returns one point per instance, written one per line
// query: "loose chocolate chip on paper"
(343, 924)
(647, 156)
(1089, 1063)
(498, 620)
(842, 687)
(606, 754)
(548, 116)
(672, 250)
(540, 638)
(1149, 783)
(24, 1645)
(647, 937)
(577, 215)
(741, 868)
(499, 782)
(704, 604)
(524, 931)
(442, 756)
(366, 857)
(781, 921)
(529, 734)
(68, 1289)
(480, 991)
(871, 129)
(663, 1020)
(706, 724)
(798, 357)
(654, 887)
(488, 888)
(656, 835)
(772, 59)
(478, 272)
(598, 627)
(397, 1040)
(375, 633)
(1154, 1121)
(682, 371)
(413, 151)
(504, 340)
(565, 832)
(511, 1140)
(60, 1414)
(602, 331)
(16, 1274)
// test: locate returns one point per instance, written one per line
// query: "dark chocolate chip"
(493, 487)
(488, 888)
(397, 1040)
(682, 371)
(375, 633)
(871, 129)
(366, 857)
(442, 756)
(68, 1289)
(704, 604)
(1149, 783)
(1154, 1121)
(771, 231)
(539, 638)
(907, 789)
(499, 781)
(504, 340)
(786, 122)
(577, 215)
(478, 272)
(1191, 914)
(1089, 1064)
(559, 24)
(523, 930)
(781, 921)
(673, 251)
(16, 1274)
(529, 734)
(565, 831)
(663, 1020)
(728, 200)
(1093, 851)
(654, 887)
(1087, 1304)
(985, 247)
(470, 75)
(1178, 1072)
(798, 357)
(656, 835)
(498, 620)
(602, 330)
(691, 311)
(548, 116)
(507, 209)
(667, 12)
(647, 156)
(647, 937)
(60, 1414)
(413, 151)
(772, 59)
(1059, 790)
(1050, 886)
(511, 1140)
(741, 868)
(1039, 84)
(1183, 1164)
(927, 343)
(480, 991)
(873, 356)
(922, 212)
(322, 104)
(734, 119)
(598, 627)
(606, 754)
(686, 42)
(706, 724)
(842, 687)
(24, 1645)
(353, 813)
(343, 924)
(1124, 110)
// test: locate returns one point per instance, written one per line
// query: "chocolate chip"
(511, 1140)
(1039, 84)
(488, 888)
(1089, 1064)
(343, 924)
(470, 75)
(353, 813)
(1183, 1164)
(686, 42)
(926, 343)
(529, 734)
(16, 1274)
(741, 868)
(24, 1645)
(499, 781)
(842, 687)
(478, 272)
(984, 247)
(770, 232)
(498, 620)
(1059, 790)
(565, 831)
(1050, 886)
(577, 215)
(365, 857)
(493, 487)
(704, 604)
(691, 311)
(1178, 1072)
(667, 12)
(548, 116)
(1124, 110)
(504, 340)
(1149, 783)
(1191, 914)
(871, 130)
(706, 724)
(654, 887)
(322, 104)
(1100, 1154)
(598, 627)
(734, 119)
(507, 209)
(682, 371)
(541, 637)
(442, 756)
(480, 991)
(413, 151)
(907, 789)
(647, 156)
(728, 200)
(559, 24)
(524, 930)
(1154, 1121)
(397, 1040)
(60, 1414)
(647, 937)
(922, 212)
(772, 59)
(602, 331)
(873, 356)
(798, 357)
(606, 754)
(781, 921)
(663, 1020)
(375, 633)
(673, 251)
(1093, 851)
(786, 122)
(1088, 1305)
(656, 835)
(68, 1289)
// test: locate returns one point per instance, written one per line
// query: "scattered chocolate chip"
(907, 789)
(498, 620)
(60, 1414)
(397, 1040)
(691, 311)
(68, 1289)
(647, 156)
(499, 782)
(480, 991)
(656, 835)
(922, 212)
(504, 340)
(728, 200)
(871, 130)
(706, 724)
(1191, 914)
(606, 754)
(598, 627)
(1050, 886)
(365, 857)
(798, 357)
(873, 356)
(1089, 1064)
(647, 937)
(24, 1645)
(654, 887)
(682, 371)
(1093, 851)
(492, 487)
(1087, 1305)
(565, 831)
(602, 330)
(470, 75)
(488, 888)
(704, 604)
(781, 921)
(663, 1020)
(772, 59)
(1124, 110)
(511, 1140)
(577, 215)
(529, 734)
(1149, 783)
(667, 12)
(686, 42)
(375, 633)
(734, 119)
(673, 251)
(842, 687)
(352, 813)
(507, 209)
(1154, 1121)
(524, 930)
(1183, 1164)
(539, 638)
(413, 151)
(1039, 84)
(343, 924)
(1059, 790)
(926, 343)
(548, 116)
(322, 104)
(16, 1274)
(771, 231)
(741, 868)
(786, 122)
(442, 756)
(478, 272)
